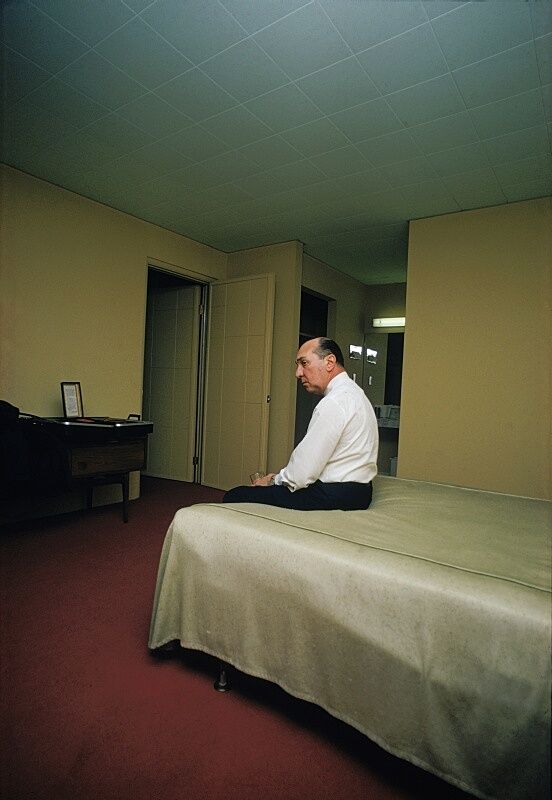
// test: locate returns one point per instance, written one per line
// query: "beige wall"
(284, 260)
(73, 284)
(384, 300)
(476, 406)
(73, 290)
(346, 315)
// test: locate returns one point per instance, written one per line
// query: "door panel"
(237, 380)
(170, 379)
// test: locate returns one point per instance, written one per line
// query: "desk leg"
(125, 485)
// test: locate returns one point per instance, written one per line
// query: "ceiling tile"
(300, 173)
(541, 15)
(368, 182)
(39, 38)
(315, 137)
(211, 199)
(260, 185)
(405, 173)
(388, 149)
(196, 143)
(143, 54)
(236, 127)
(528, 169)
(340, 86)
(459, 159)
(245, 71)
(284, 108)
(100, 80)
(475, 189)
(153, 115)
(17, 153)
(67, 103)
(427, 101)
(198, 28)
(366, 120)
(444, 133)
(543, 47)
(271, 152)
(407, 59)
(475, 31)
(525, 143)
(31, 127)
(526, 190)
(197, 176)
(138, 5)
(434, 8)
(504, 116)
(287, 201)
(303, 42)
(254, 16)
(56, 171)
(429, 199)
(364, 24)
(547, 101)
(162, 157)
(21, 76)
(500, 76)
(120, 175)
(229, 167)
(84, 149)
(385, 207)
(167, 188)
(341, 162)
(195, 94)
(118, 134)
(90, 20)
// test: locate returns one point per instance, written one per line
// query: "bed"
(423, 622)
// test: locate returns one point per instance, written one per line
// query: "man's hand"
(266, 481)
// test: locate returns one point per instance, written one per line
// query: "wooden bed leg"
(222, 683)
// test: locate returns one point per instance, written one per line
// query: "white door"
(170, 380)
(235, 433)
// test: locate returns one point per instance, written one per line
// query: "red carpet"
(87, 713)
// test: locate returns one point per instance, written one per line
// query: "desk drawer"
(117, 457)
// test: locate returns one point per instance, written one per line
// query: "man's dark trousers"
(318, 496)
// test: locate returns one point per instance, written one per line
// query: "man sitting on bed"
(332, 467)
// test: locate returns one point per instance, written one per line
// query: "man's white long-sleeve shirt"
(341, 442)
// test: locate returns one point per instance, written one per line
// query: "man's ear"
(331, 362)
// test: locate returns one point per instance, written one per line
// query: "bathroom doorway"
(173, 374)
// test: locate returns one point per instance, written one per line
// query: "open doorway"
(313, 322)
(382, 380)
(173, 374)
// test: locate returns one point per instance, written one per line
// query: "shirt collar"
(337, 381)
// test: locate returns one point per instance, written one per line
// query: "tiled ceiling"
(247, 122)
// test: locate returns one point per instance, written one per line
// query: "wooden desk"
(107, 463)
(101, 451)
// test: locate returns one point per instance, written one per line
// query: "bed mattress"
(424, 622)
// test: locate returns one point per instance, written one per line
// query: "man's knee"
(239, 494)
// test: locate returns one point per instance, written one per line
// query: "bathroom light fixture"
(388, 322)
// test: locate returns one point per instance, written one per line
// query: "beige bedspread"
(424, 622)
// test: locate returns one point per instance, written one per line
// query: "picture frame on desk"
(71, 396)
